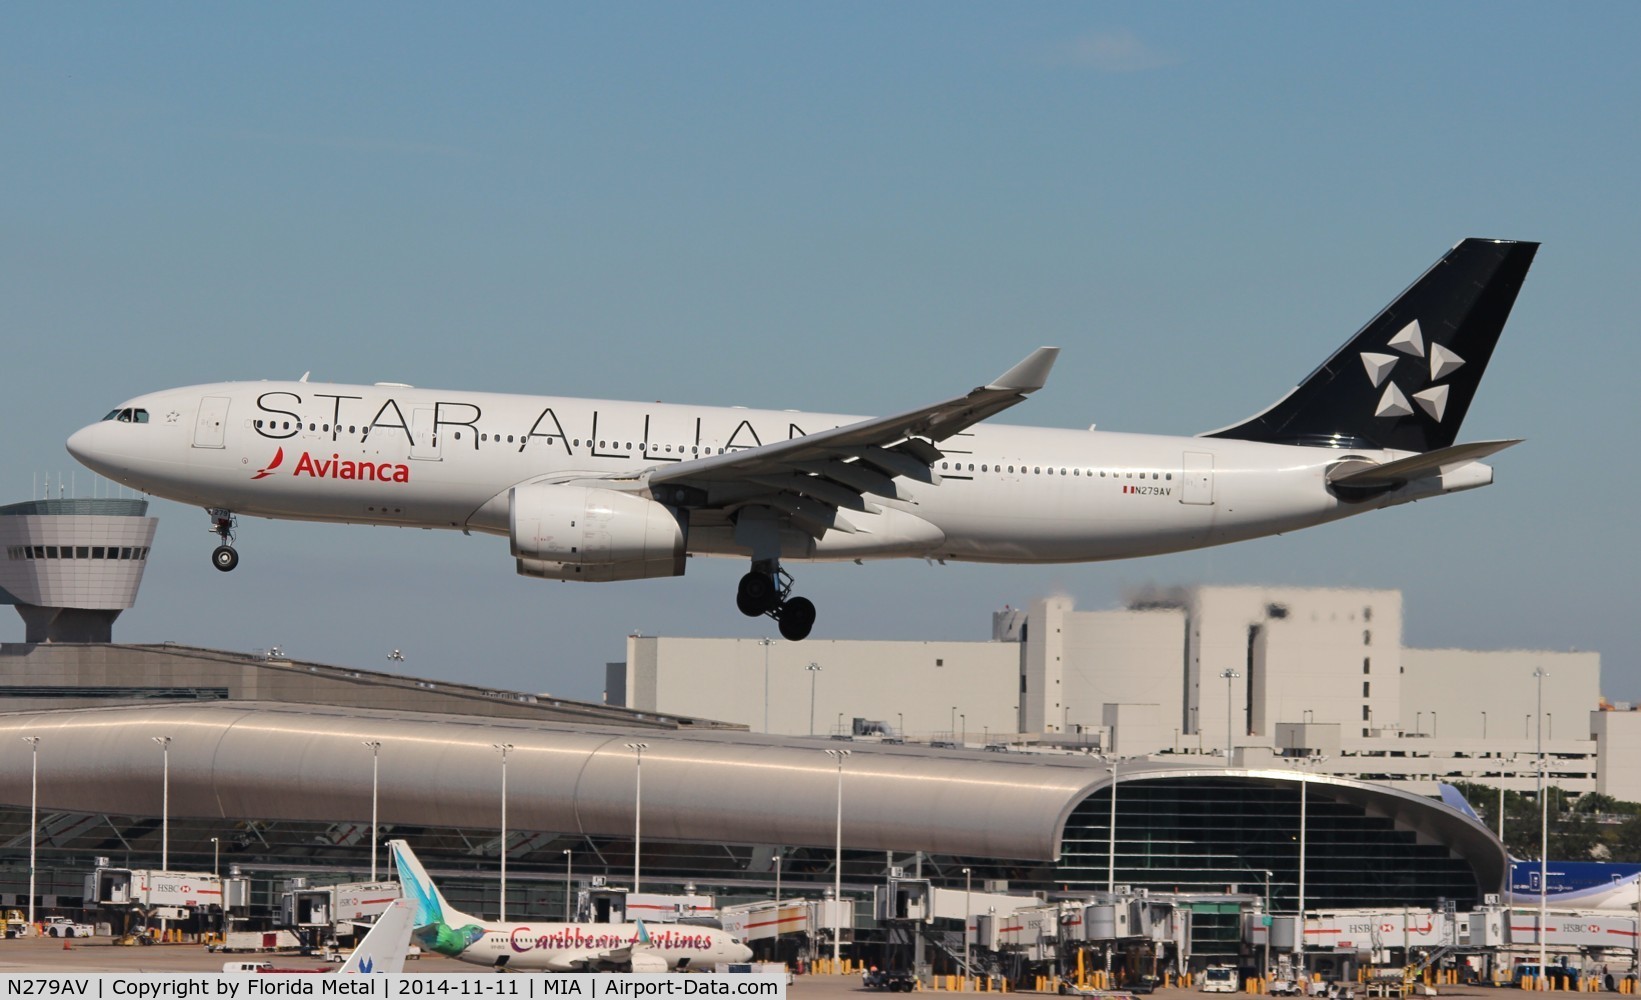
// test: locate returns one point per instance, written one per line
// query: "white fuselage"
(396, 455)
(559, 947)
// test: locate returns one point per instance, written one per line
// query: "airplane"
(556, 946)
(382, 950)
(600, 490)
(1612, 886)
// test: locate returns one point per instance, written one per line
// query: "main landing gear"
(224, 557)
(766, 591)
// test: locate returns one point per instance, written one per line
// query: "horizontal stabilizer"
(1393, 474)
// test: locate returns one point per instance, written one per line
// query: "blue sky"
(848, 207)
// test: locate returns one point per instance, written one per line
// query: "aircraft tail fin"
(1455, 798)
(1406, 379)
(427, 902)
(383, 949)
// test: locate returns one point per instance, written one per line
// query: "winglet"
(1030, 374)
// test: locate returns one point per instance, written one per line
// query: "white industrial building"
(1318, 675)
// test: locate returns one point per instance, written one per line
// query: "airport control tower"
(71, 566)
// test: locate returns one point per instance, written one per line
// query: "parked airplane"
(556, 947)
(1568, 885)
(382, 950)
(596, 490)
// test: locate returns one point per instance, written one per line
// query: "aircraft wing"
(810, 478)
(636, 956)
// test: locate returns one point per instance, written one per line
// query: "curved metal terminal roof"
(266, 761)
(255, 760)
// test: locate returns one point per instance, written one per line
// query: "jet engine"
(595, 535)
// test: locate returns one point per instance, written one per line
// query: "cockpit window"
(128, 416)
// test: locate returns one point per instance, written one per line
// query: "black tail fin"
(1406, 379)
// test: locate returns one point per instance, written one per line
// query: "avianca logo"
(279, 456)
(336, 467)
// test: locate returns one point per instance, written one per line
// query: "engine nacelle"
(595, 535)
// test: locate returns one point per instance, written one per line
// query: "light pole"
(1299, 931)
(963, 717)
(637, 807)
(1268, 874)
(766, 642)
(504, 748)
(1111, 841)
(567, 884)
(1433, 721)
(814, 672)
(1306, 764)
(216, 857)
(1484, 723)
(777, 892)
(165, 802)
(901, 732)
(1230, 675)
(968, 908)
(33, 817)
(1543, 834)
(837, 865)
(375, 761)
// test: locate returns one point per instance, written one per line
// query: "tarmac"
(102, 955)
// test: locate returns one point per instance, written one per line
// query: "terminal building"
(1258, 676)
(277, 767)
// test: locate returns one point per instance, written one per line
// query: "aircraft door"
(212, 424)
(424, 442)
(1197, 478)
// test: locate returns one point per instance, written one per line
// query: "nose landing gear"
(765, 591)
(224, 557)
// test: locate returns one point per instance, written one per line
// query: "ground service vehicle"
(63, 927)
(1220, 979)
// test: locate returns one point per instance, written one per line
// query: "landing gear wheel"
(796, 618)
(225, 557)
(757, 594)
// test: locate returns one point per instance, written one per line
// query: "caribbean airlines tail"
(555, 947)
(1567, 885)
(600, 490)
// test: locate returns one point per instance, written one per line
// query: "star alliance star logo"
(1409, 341)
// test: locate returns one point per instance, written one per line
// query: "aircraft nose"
(91, 448)
(81, 444)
